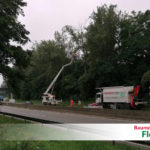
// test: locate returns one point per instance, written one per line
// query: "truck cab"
(49, 99)
(99, 98)
(1, 99)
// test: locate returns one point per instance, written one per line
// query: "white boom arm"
(56, 77)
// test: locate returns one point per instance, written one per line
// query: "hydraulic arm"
(47, 96)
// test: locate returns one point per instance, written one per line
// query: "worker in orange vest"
(79, 103)
(71, 103)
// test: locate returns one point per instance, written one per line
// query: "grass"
(64, 102)
(147, 107)
(4, 120)
(64, 145)
(36, 102)
(58, 145)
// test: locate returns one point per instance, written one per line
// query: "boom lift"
(49, 98)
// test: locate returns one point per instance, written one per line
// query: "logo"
(145, 130)
(145, 134)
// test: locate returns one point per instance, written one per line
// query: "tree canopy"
(13, 34)
(112, 50)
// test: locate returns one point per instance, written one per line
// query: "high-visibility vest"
(71, 103)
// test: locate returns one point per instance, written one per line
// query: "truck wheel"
(118, 106)
(114, 106)
(44, 103)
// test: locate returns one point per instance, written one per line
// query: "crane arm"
(56, 77)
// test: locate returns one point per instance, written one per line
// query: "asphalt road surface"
(63, 117)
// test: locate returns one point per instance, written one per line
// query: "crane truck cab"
(49, 99)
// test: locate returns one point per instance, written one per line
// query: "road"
(63, 117)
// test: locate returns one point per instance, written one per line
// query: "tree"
(145, 81)
(77, 37)
(12, 31)
(68, 86)
(101, 38)
(46, 61)
(134, 49)
(74, 41)
(102, 34)
(116, 51)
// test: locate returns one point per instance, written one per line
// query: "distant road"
(62, 117)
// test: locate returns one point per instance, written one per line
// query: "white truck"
(48, 97)
(120, 97)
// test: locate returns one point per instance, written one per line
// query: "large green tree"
(116, 51)
(12, 35)
(47, 59)
(101, 39)
(102, 34)
(134, 49)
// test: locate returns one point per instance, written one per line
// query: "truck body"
(119, 97)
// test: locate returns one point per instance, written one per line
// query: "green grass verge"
(58, 145)
(64, 145)
(7, 120)
(64, 102)
(36, 102)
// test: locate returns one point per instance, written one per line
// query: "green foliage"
(46, 60)
(115, 51)
(146, 79)
(13, 34)
(134, 51)
(86, 86)
(64, 145)
(102, 34)
(74, 41)
(7, 120)
(11, 31)
(70, 81)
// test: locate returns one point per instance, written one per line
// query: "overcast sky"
(44, 17)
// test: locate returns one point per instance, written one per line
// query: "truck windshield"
(98, 96)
